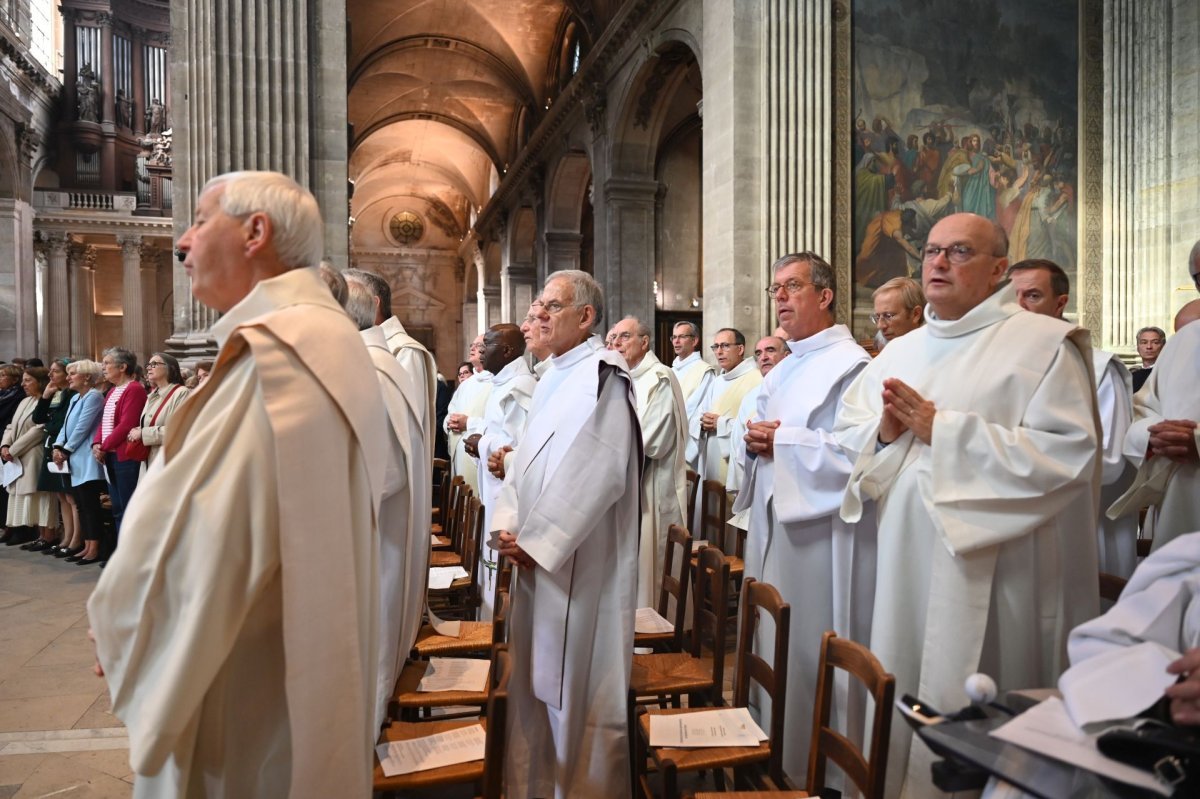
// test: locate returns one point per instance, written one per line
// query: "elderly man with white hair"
(251, 543)
(568, 517)
(465, 416)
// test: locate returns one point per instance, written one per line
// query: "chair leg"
(670, 780)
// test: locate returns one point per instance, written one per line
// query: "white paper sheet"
(706, 728)
(1102, 688)
(11, 471)
(433, 751)
(440, 577)
(54, 468)
(648, 620)
(1048, 730)
(455, 674)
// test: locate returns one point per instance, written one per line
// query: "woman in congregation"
(22, 443)
(11, 395)
(50, 412)
(203, 370)
(168, 393)
(73, 447)
(122, 411)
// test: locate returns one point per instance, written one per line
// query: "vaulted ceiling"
(442, 94)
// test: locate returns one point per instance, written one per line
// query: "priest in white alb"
(503, 425)
(465, 416)
(660, 412)
(568, 517)
(978, 437)
(795, 473)
(1164, 440)
(236, 623)
(1043, 287)
(403, 541)
(768, 352)
(710, 427)
(693, 372)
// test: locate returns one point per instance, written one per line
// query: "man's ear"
(826, 298)
(258, 232)
(587, 319)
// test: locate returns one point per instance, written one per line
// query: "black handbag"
(1170, 753)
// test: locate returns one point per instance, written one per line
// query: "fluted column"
(151, 255)
(83, 313)
(58, 297)
(133, 336)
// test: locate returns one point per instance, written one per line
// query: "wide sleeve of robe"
(207, 526)
(1115, 405)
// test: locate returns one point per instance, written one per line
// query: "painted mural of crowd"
(1024, 178)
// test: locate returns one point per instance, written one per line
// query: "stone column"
(58, 297)
(18, 280)
(629, 276)
(81, 260)
(562, 250)
(489, 301)
(133, 336)
(138, 75)
(252, 90)
(151, 256)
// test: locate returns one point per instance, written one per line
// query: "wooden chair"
(409, 704)
(867, 773)
(701, 676)
(1143, 547)
(1111, 586)
(452, 555)
(461, 599)
(474, 638)
(693, 486)
(441, 509)
(754, 766)
(488, 773)
(679, 550)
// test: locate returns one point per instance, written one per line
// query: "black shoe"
(82, 562)
(51, 550)
(63, 552)
(36, 546)
(72, 559)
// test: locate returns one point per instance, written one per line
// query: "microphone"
(179, 255)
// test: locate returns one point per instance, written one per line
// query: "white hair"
(584, 290)
(297, 231)
(360, 304)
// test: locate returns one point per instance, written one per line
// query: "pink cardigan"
(129, 415)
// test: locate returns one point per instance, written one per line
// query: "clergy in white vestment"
(978, 437)
(535, 346)
(568, 517)
(795, 473)
(465, 417)
(403, 541)
(660, 411)
(1160, 604)
(899, 308)
(769, 351)
(710, 427)
(1164, 438)
(693, 372)
(503, 425)
(236, 623)
(1043, 287)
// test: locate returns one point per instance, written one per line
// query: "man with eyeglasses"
(465, 416)
(899, 309)
(568, 518)
(977, 436)
(693, 371)
(794, 477)
(236, 623)
(1043, 287)
(660, 410)
(1164, 439)
(1150, 341)
(711, 425)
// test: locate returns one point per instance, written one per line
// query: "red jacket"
(129, 416)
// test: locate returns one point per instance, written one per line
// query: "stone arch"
(647, 105)
(569, 231)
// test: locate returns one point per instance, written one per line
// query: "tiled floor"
(57, 736)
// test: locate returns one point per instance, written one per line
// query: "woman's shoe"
(37, 546)
(51, 550)
(63, 552)
(82, 562)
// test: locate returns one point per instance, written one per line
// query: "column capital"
(131, 244)
(55, 242)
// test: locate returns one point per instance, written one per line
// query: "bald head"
(1187, 314)
(502, 344)
(769, 351)
(964, 261)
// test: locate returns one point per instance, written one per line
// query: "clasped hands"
(1174, 439)
(509, 549)
(456, 422)
(495, 462)
(471, 444)
(708, 422)
(905, 409)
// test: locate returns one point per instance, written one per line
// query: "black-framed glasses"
(876, 318)
(154, 363)
(956, 254)
(723, 346)
(792, 286)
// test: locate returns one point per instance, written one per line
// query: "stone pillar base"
(192, 348)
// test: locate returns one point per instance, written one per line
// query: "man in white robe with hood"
(795, 475)
(236, 624)
(693, 372)
(1043, 287)
(465, 416)
(503, 425)
(660, 412)
(568, 517)
(768, 352)
(710, 427)
(978, 437)
(1164, 440)
(403, 542)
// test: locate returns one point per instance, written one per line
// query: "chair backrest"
(1111, 586)
(693, 486)
(504, 572)
(867, 773)
(679, 550)
(714, 512)
(500, 618)
(710, 617)
(459, 492)
(497, 720)
(749, 666)
(472, 530)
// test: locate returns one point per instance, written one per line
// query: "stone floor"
(57, 736)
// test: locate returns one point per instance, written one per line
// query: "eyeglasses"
(792, 286)
(621, 337)
(554, 307)
(154, 363)
(724, 346)
(956, 254)
(876, 318)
